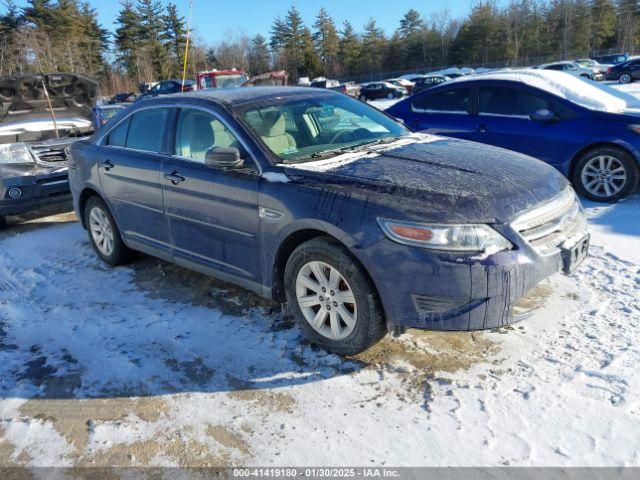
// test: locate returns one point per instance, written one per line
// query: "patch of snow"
(275, 177)
(583, 92)
(327, 164)
(616, 227)
(560, 389)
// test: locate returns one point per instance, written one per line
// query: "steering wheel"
(339, 134)
(357, 134)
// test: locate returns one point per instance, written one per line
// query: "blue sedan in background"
(589, 132)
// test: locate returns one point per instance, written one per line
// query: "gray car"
(575, 69)
(41, 116)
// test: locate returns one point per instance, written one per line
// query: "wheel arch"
(85, 195)
(293, 241)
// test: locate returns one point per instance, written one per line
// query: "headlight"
(15, 153)
(459, 238)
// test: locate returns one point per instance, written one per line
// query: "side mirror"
(218, 157)
(543, 115)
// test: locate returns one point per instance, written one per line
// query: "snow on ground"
(151, 364)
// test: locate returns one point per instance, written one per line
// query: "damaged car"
(40, 116)
(317, 200)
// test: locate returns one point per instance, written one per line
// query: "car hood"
(429, 178)
(23, 97)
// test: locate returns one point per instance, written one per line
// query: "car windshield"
(304, 129)
(235, 80)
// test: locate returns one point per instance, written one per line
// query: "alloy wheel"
(326, 300)
(604, 176)
(101, 231)
(625, 78)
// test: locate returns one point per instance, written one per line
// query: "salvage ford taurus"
(315, 199)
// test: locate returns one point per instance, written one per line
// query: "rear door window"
(450, 101)
(511, 102)
(147, 130)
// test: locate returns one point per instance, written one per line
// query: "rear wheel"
(390, 96)
(104, 234)
(606, 174)
(625, 78)
(332, 298)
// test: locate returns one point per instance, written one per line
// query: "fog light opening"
(15, 192)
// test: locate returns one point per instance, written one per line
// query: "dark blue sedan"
(586, 131)
(312, 198)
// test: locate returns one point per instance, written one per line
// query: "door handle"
(107, 165)
(482, 129)
(174, 177)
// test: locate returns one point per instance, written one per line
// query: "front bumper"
(443, 291)
(431, 290)
(37, 191)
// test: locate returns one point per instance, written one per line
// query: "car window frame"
(431, 92)
(100, 142)
(567, 106)
(172, 137)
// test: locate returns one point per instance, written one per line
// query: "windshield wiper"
(348, 148)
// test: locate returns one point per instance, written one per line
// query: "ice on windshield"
(583, 92)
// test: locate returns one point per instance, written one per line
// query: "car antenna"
(53, 115)
(186, 48)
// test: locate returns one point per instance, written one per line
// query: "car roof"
(240, 95)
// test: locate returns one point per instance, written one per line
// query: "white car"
(575, 69)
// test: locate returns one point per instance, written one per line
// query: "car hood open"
(441, 180)
(23, 98)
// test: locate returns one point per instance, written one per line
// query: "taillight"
(609, 70)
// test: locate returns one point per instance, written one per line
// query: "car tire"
(3, 222)
(110, 247)
(390, 96)
(607, 162)
(344, 279)
(363, 98)
(625, 78)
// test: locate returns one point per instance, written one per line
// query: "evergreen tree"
(151, 28)
(311, 65)
(603, 27)
(373, 46)
(174, 36)
(349, 52)
(127, 38)
(258, 55)
(327, 42)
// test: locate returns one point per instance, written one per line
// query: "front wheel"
(605, 174)
(390, 96)
(332, 298)
(625, 78)
(363, 98)
(104, 234)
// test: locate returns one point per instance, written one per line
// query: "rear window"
(449, 101)
(144, 130)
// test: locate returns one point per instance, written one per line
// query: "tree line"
(149, 39)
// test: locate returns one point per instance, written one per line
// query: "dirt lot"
(151, 364)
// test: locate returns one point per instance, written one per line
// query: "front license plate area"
(572, 257)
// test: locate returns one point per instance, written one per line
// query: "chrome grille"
(552, 224)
